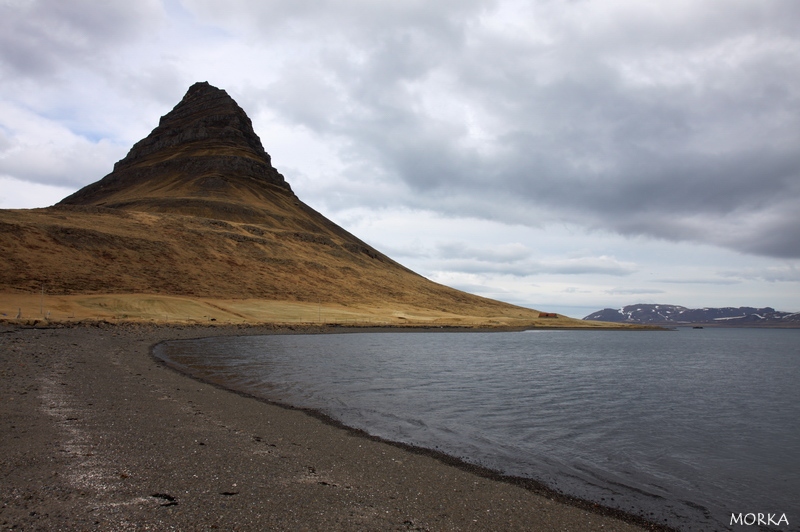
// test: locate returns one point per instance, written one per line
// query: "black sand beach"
(97, 435)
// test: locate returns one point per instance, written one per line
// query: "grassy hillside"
(94, 263)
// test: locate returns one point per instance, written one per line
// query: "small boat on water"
(697, 327)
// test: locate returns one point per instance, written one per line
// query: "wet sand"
(97, 435)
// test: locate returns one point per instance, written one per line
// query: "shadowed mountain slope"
(197, 210)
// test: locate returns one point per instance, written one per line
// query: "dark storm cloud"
(675, 122)
(777, 238)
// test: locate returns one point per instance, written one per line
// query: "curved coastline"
(98, 434)
(529, 484)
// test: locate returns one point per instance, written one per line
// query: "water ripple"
(685, 426)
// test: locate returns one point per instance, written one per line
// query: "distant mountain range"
(677, 315)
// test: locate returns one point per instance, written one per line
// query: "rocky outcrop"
(205, 114)
(205, 148)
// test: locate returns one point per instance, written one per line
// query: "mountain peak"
(206, 115)
(203, 150)
(202, 87)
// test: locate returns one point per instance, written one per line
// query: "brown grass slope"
(196, 211)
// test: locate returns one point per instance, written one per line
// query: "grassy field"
(43, 308)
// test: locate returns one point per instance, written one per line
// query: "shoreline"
(123, 440)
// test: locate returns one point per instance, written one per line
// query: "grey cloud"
(462, 259)
(505, 253)
(5, 141)
(574, 290)
(668, 128)
(516, 260)
(353, 19)
(715, 281)
(38, 37)
(674, 122)
(788, 273)
(69, 166)
(588, 267)
(484, 267)
(777, 238)
(632, 291)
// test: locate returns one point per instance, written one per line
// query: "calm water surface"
(682, 427)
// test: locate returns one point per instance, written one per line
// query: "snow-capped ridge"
(677, 315)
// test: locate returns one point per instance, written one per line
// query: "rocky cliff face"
(205, 113)
(204, 152)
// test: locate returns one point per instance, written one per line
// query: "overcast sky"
(563, 155)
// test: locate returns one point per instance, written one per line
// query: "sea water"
(685, 427)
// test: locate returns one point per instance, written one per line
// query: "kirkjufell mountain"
(195, 222)
(203, 159)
